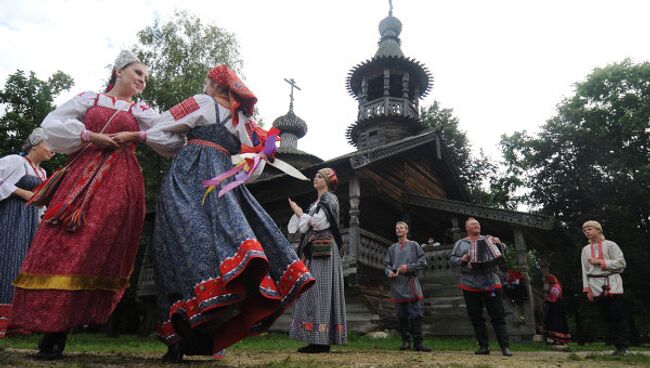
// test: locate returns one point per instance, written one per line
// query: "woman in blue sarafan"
(19, 176)
(223, 269)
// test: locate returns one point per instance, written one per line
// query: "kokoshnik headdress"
(125, 58)
(37, 136)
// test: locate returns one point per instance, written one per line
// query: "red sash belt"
(203, 142)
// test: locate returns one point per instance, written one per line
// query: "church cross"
(292, 82)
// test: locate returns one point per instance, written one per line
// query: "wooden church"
(399, 171)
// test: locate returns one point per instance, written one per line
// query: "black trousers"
(493, 302)
(409, 310)
(614, 312)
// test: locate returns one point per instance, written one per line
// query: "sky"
(502, 66)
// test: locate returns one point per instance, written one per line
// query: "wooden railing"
(388, 106)
(372, 249)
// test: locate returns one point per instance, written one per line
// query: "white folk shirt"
(317, 220)
(12, 169)
(594, 277)
(63, 126)
(197, 111)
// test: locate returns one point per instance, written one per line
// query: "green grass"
(278, 343)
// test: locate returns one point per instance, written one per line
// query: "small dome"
(291, 123)
(390, 27)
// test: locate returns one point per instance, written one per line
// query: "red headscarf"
(552, 280)
(240, 96)
(555, 288)
(330, 177)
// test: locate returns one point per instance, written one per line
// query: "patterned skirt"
(223, 269)
(69, 279)
(18, 224)
(319, 315)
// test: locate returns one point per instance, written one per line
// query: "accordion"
(484, 254)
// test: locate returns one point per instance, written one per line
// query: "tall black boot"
(404, 331)
(480, 331)
(502, 336)
(416, 331)
(51, 346)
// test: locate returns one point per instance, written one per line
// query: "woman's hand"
(102, 141)
(295, 208)
(123, 138)
(26, 195)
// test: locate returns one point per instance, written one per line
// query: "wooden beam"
(522, 264)
(497, 214)
(354, 239)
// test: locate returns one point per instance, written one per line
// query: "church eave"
(422, 75)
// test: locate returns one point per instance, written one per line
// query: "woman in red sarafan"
(82, 255)
(556, 327)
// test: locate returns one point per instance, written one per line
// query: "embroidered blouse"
(64, 126)
(606, 275)
(197, 111)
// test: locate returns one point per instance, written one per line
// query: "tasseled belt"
(203, 142)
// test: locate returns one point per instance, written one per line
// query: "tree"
(26, 100)
(179, 53)
(477, 173)
(591, 161)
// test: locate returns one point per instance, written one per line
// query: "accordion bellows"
(483, 253)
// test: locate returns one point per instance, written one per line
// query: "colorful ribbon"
(244, 170)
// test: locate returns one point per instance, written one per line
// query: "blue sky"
(501, 65)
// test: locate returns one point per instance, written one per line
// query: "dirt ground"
(367, 359)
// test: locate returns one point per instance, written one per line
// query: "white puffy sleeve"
(292, 228)
(299, 223)
(317, 221)
(12, 168)
(146, 116)
(63, 126)
(166, 135)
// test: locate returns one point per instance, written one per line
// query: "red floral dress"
(71, 278)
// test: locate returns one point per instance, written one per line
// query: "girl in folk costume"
(319, 315)
(555, 324)
(602, 263)
(223, 269)
(19, 175)
(79, 264)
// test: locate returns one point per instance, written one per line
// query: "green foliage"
(477, 172)
(592, 161)
(26, 100)
(178, 53)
